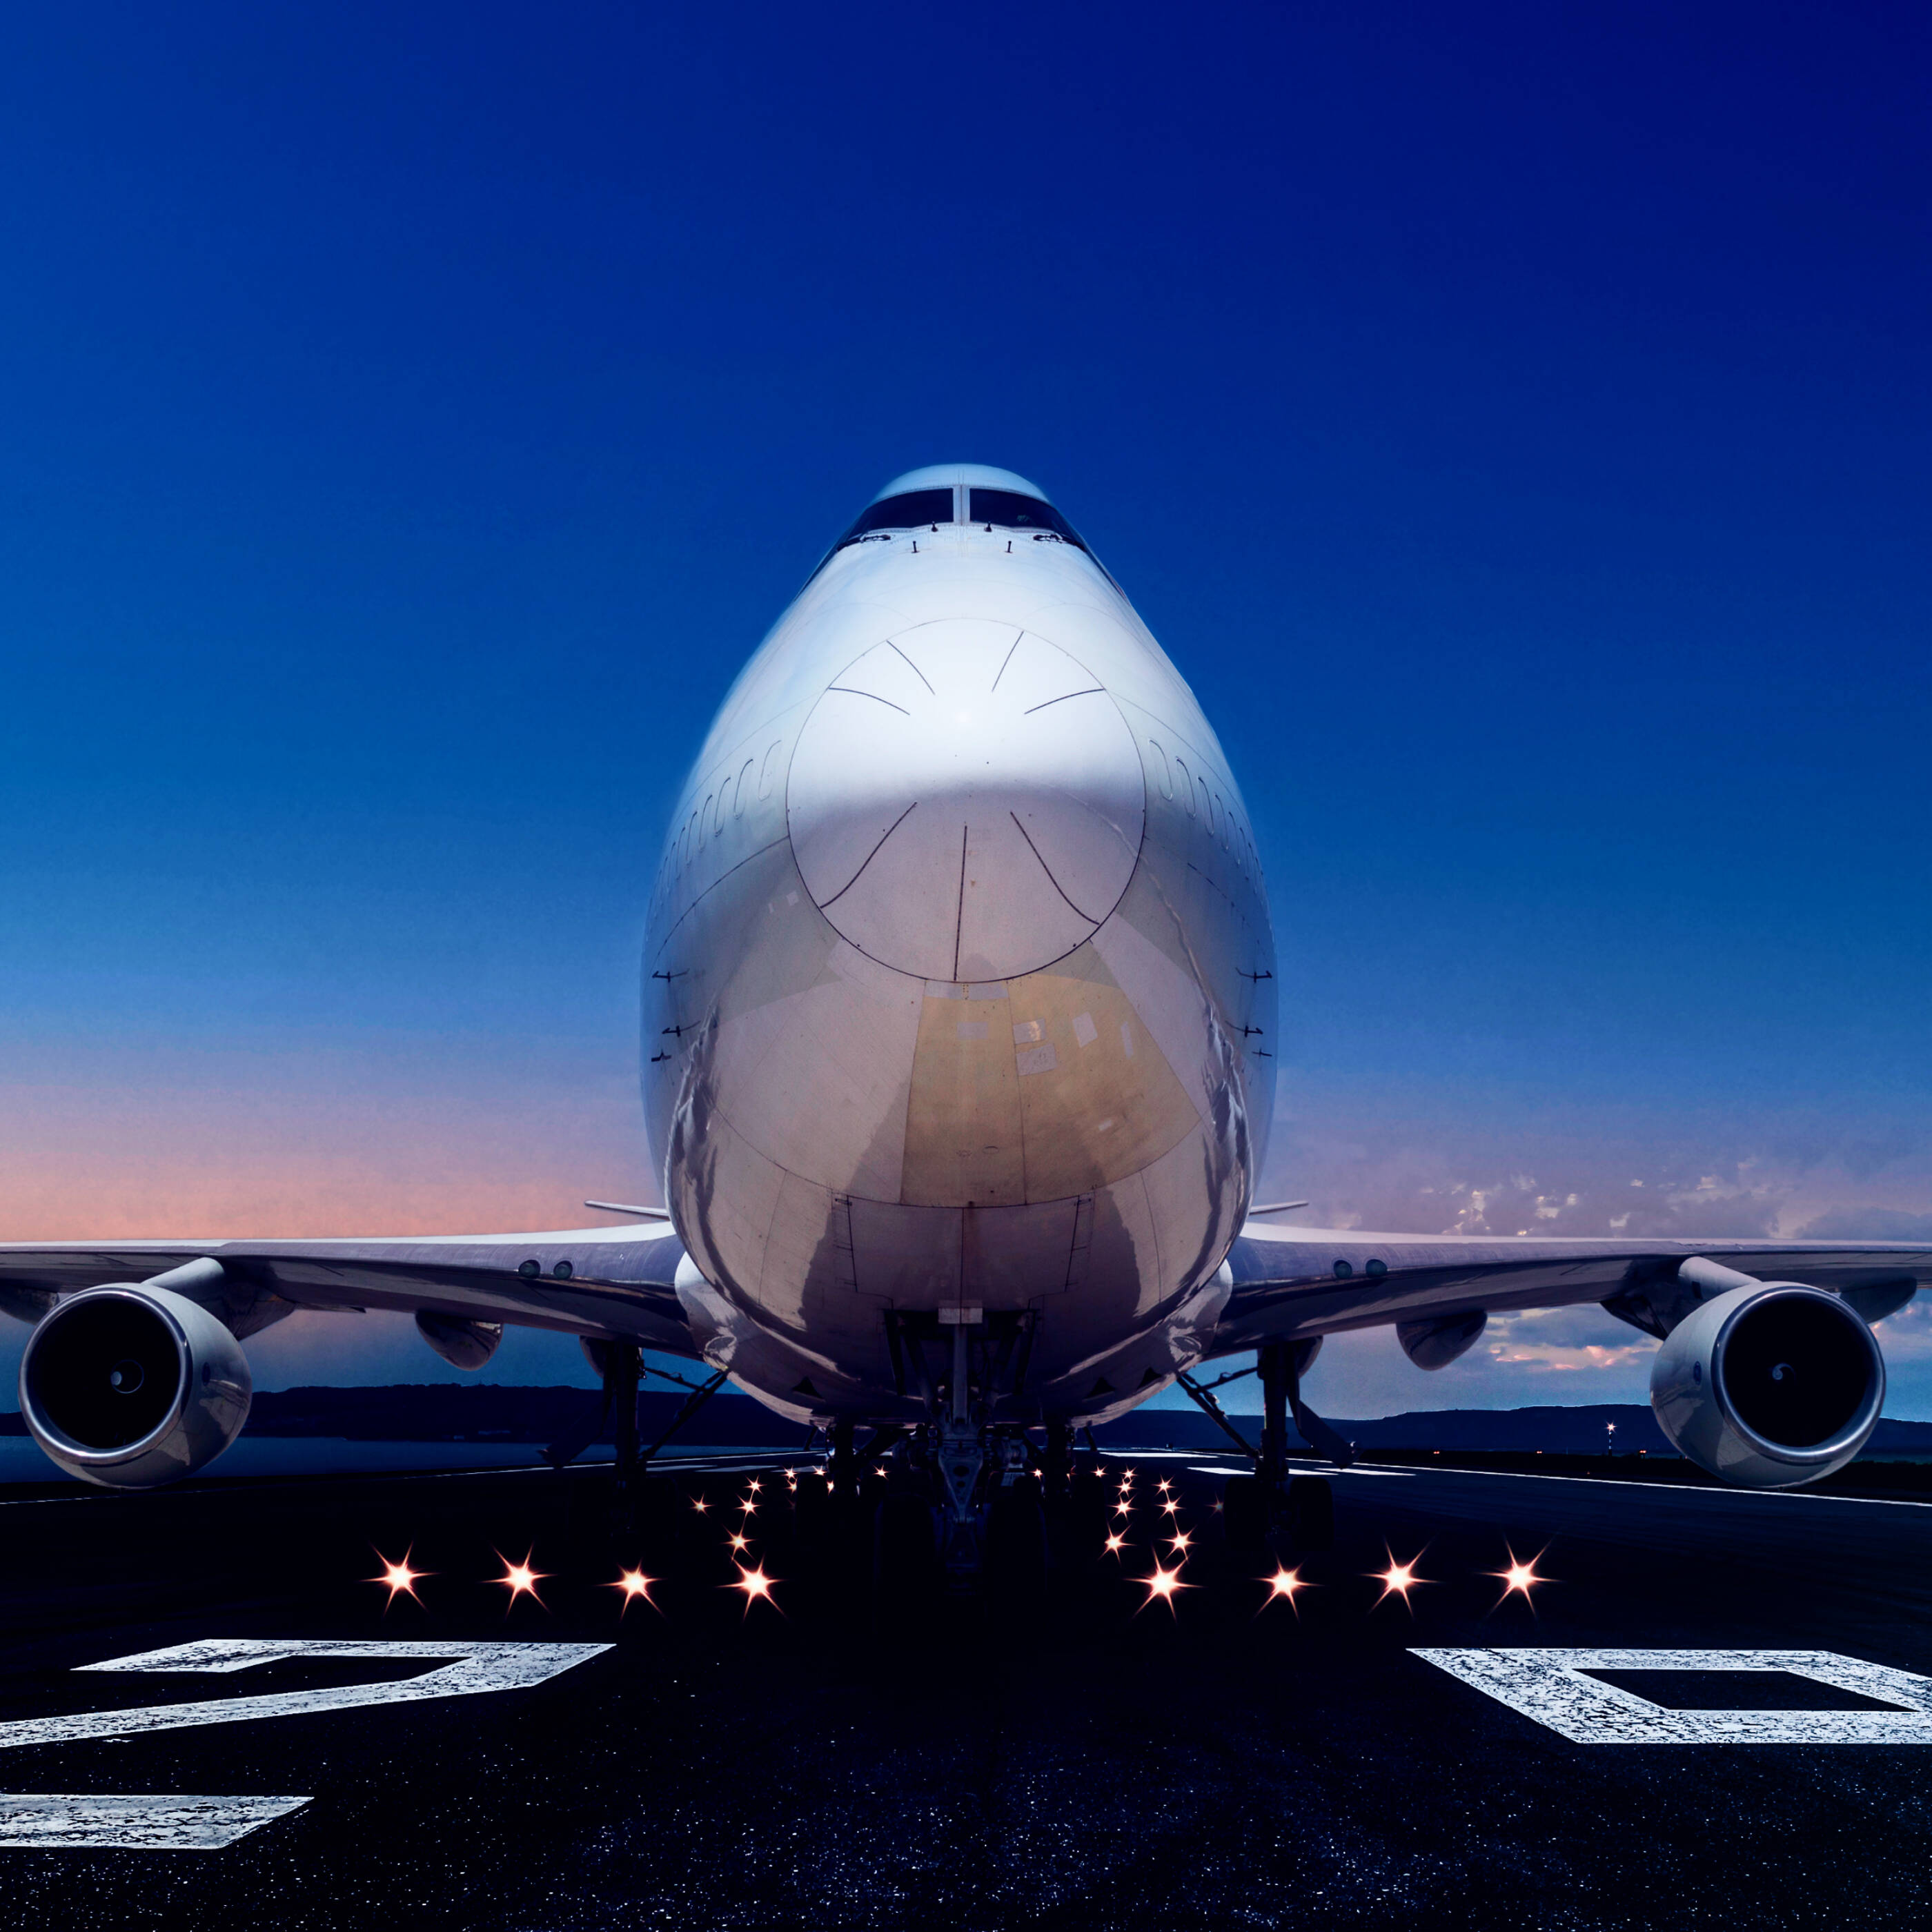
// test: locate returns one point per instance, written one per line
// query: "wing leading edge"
(618, 1284)
(1292, 1283)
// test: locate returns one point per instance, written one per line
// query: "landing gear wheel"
(1246, 1512)
(657, 1512)
(1080, 1533)
(1015, 1560)
(906, 1575)
(811, 1513)
(1311, 1512)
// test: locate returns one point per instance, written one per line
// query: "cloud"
(1425, 1167)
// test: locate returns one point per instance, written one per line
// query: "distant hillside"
(492, 1412)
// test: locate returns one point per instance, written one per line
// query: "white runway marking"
(1222, 1469)
(51, 1823)
(54, 1821)
(476, 1668)
(1552, 1687)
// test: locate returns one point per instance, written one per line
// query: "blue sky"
(1514, 424)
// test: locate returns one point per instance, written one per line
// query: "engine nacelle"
(131, 1385)
(1770, 1385)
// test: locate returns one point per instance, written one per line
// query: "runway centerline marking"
(1551, 1686)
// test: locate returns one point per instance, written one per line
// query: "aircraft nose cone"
(966, 802)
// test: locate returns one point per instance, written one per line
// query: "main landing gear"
(638, 1502)
(1271, 1508)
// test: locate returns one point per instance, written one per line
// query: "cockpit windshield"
(1008, 510)
(915, 508)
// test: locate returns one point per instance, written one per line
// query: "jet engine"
(1768, 1384)
(131, 1385)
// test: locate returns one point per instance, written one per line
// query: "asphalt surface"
(1222, 1758)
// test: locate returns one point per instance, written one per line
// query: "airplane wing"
(617, 1283)
(1291, 1283)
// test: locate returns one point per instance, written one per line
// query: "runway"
(1225, 1756)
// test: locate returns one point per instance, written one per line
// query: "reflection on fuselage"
(959, 1002)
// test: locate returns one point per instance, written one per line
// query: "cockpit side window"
(1008, 510)
(915, 509)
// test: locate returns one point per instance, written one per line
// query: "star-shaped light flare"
(1180, 1540)
(739, 1541)
(520, 1579)
(1163, 1583)
(700, 1504)
(1519, 1576)
(755, 1584)
(398, 1578)
(1116, 1543)
(1399, 1578)
(1284, 1582)
(634, 1584)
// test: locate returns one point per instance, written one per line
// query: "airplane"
(960, 1031)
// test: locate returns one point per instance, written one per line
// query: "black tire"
(1015, 1553)
(905, 1565)
(658, 1526)
(811, 1513)
(1246, 1512)
(1311, 1512)
(1080, 1533)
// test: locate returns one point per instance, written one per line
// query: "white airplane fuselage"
(959, 1004)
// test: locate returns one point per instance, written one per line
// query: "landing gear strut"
(1270, 1505)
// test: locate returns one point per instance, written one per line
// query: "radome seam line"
(874, 853)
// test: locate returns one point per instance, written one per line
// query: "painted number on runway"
(1558, 1689)
(46, 1820)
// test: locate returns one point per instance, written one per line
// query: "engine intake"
(1769, 1385)
(131, 1385)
